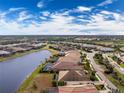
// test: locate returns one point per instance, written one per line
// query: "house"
(62, 53)
(68, 62)
(72, 56)
(16, 49)
(47, 67)
(89, 46)
(37, 46)
(58, 66)
(122, 49)
(4, 53)
(105, 49)
(87, 88)
(122, 58)
(73, 75)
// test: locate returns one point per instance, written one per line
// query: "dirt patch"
(39, 83)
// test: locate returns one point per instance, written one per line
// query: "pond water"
(14, 71)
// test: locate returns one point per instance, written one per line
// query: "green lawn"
(119, 74)
(122, 65)
(116, 83)
(51, 50)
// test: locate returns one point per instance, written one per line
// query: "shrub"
(92, 78)
(54, 83)
(61, 83)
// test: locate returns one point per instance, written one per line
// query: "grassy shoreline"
(30, 77)
(2, 59)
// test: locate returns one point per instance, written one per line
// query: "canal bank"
(13, 72)
(3, 59)
(30, 77)
(13, 56)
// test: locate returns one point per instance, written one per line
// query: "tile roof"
(72, 75)
(69, 61)
(74, 89)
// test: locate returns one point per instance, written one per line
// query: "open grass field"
(104, 42)
(118, 42)
(122, 65)
(51, 50)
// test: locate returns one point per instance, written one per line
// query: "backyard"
(40, 83)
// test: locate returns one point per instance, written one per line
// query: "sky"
(61, 17)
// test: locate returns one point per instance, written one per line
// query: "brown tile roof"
(66, 66)
(72, 75)
(71, 56)
(74, 89)
(69, 61)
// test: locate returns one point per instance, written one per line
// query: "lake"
(13, 72)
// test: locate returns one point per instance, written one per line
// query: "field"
(51, 50)
(117, 42)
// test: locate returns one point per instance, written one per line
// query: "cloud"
(82, 9)
(23, 15)
(11, 10)
(3, 14)
(43, 3)
(40, 4)
(63, 23)
(16, 9)
(45, 13)
(106, 2)
(78, 9)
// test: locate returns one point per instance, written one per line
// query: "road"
(113, 63)
(100, 71)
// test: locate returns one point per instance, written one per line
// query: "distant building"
(62, 53)
(47, 67)
(4, 53)
(89, 46)
(122, 49)
(16, 49)
(105, 49)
